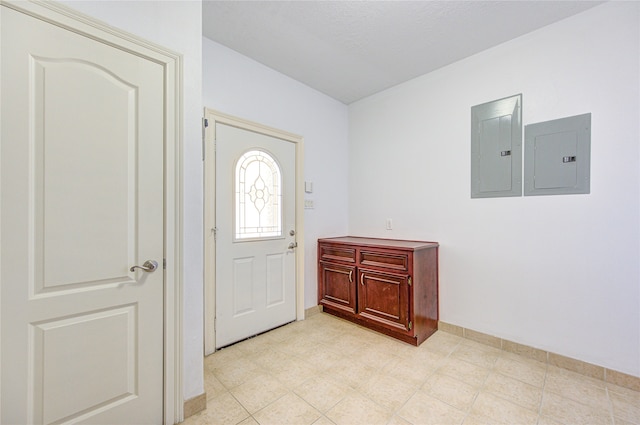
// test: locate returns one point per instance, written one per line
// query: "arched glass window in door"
(258, 196)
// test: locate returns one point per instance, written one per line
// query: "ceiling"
(352, 49)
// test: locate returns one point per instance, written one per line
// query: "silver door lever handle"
(148, 266)
(292, 245)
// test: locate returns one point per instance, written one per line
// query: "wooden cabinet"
(387, 285)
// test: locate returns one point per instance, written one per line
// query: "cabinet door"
(384, 298)
(338, 287)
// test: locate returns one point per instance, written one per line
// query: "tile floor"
(324, 370)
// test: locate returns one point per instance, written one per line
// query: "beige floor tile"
(518, 392)
(373, 356)
(234, 373)
(294, 373)
(624, 391)
(619, 421)
(577, 388)
(370, 337)
(400, 349)
(285, 332)
(477, 419)
(327, 371)
(412, 373)
(569, 375)
(426, 410)
(348, 344)
(289, 409)
(483, 338)
(352, 373)
(476, 353)
(222, 357)
(464, 371)
(393, 346)
(622, 379)
(256, 344)
(580, 366)
(450, 390)
(522, 369)
(442, 342)
(397, 420)
(543, 420)
(222, 410)
(323, 421)
(271, 359)
(297, 345)
(258, 392)
(569, 412)
(322, 393)
(524, 351)
(626, 405)
(387, 391)
(357, 409)
(501, 410)
(424, 356)
(324, 357)
(212, 386)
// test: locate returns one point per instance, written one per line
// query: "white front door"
(81, 185)
(255, 236)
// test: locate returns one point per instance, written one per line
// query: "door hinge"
(410, 281)
(164, 263)
(205, 124)
(410, 324)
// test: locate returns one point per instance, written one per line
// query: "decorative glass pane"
(258, 196)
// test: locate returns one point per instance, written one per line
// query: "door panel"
(82, 201)
(384, 297)
(71, 150)
(255, 277)
(339, 288)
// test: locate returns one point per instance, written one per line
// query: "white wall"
(236, 85)
(560, 273)
(177, 26)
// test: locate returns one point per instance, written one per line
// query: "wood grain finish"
(387, 285)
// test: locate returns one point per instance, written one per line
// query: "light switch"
(308, 187)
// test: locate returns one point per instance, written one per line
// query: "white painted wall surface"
(176, 25)
(236, 85)
(560, 273)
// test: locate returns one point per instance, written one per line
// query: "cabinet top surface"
(387, 243)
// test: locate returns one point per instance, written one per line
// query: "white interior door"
(255, 236)
(82, 201)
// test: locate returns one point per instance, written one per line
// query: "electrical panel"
(496, 148)
(557, 156)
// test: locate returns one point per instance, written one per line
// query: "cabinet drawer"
(389, 260)
(338, 253)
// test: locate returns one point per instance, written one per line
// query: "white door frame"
(212, 118)
(74, 21)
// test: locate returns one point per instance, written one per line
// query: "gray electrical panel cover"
(557, 156)
(496, 148)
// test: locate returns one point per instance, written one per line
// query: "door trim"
(88, 26)
(213, 117)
